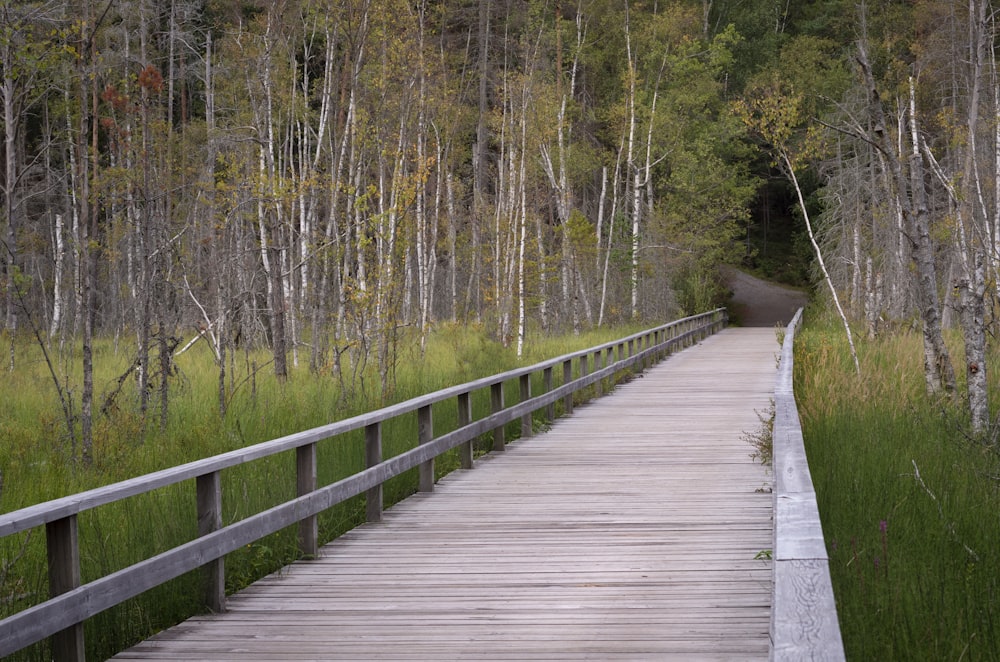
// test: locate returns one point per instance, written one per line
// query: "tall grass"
(908, 501)
(36, 457)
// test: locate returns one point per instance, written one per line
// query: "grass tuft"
(762, 439)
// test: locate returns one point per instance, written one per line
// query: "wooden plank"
(209, 500)
(425, 434)
(524, 391)
(466, 450)
(630, 530)
(791, 467)
(305, 482)
(803, 587)
(497, 406)
(63, 548)
(373, 457)
(796, 516)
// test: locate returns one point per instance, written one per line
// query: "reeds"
(908, 501)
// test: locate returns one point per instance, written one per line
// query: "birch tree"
(27, 58)
(913, 200)
(970, 32)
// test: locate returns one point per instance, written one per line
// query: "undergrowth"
(762, 438)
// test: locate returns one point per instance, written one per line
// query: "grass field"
(37, 459)
(909, 502)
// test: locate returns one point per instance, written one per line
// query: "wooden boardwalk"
(630, 530)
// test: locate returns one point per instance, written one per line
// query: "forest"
(321, 179)
(325, 180)
(222, 221)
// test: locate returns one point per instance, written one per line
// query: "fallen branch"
(213, 341)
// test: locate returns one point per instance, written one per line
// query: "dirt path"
(757, 302)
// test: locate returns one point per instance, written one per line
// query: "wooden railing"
(61, 617)
(804, 622)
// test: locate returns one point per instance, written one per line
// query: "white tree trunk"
(637, 173)
(57, 276)
(452, 246)
(522, 221)
(611, 233)
(820, 261)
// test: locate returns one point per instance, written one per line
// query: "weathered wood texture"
(629, 530)
(804, 622)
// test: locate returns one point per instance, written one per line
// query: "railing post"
(425, 434)
(209, 488)
(567, 378)
(63, 544)
(609, 358)
(465, 451)
(305, 482)
(550, 411)
(497, 406)
(373, 456)
(584, 370)
(599, 384)
(525, 387)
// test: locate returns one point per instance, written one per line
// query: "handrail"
(804, 622)
(61, 617)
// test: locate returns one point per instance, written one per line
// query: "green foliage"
(580, 233)
(816, 67)
(698, 287)
(769, 25)
(906, 501)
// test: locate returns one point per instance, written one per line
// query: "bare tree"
(912, 197)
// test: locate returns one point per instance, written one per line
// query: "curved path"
(757, 302)
(630, 530)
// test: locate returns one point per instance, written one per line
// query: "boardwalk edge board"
(804, 622)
